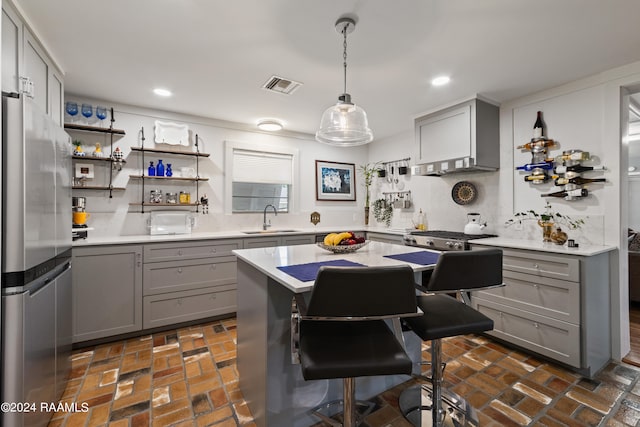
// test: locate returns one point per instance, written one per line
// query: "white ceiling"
(216, 55)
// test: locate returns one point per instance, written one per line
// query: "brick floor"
(188, 377)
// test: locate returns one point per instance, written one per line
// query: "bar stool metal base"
(363, 408)
(416, 403)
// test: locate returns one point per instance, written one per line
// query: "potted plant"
(368, 171)
(382, 211)
(546, 220)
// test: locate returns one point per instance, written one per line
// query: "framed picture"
(84, 170)
(335, 181)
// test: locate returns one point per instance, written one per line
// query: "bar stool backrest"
(363, 292)
(466, 270)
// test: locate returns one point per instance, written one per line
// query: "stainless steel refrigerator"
(36, 260)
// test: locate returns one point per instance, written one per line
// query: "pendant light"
(344, 124)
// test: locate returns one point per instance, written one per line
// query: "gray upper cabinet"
(24, 59)
(11, 50)
(460, 138)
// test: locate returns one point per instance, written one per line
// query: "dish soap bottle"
(160, 168)
(422, 221)
(152, 169)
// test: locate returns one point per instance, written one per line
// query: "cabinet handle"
(213, 296)
(501, 314)
(213, 250)
(536, 325)
(535, 266)
(535, 286)
(180, 270)
(180, 252)
(213, 266)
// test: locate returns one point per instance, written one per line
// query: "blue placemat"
(308, 272)
(422, 258)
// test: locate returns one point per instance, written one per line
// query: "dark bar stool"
(445, 316)
(343, 333)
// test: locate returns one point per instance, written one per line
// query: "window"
(260, 178)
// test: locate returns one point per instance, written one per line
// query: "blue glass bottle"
(152, 169)
(169, 172)
(160, 168)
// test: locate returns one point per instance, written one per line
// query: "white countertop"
(539, 245)
(267, 260)
(235, 234)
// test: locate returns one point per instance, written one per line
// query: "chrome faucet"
(266, 224)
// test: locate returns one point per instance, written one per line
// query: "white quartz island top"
(267, 260)
(539, 245)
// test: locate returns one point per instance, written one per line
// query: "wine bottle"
(579, 155)
(539, 178)
(531, 166)
(538, 126)
(541, 143)
(578, 192)
(577, 168)
(578, 180)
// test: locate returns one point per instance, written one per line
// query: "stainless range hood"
(460, 138)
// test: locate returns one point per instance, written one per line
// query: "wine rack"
(568, 175)
(567, 168)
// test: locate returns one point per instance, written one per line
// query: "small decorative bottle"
(169, 172)
(160, 168)
(152, 169)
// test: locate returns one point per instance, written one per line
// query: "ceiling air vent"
(281, 85)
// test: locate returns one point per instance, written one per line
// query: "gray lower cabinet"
(187, 281)
(271, 241)
(553, 304)
(107, 291)
(385, 237)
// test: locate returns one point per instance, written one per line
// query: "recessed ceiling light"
(162, 92)
(440, 81)
(269, 125)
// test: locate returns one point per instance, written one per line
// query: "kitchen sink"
(269, 231)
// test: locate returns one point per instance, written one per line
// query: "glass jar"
(184, 197)
(172, 198)
(155, 196)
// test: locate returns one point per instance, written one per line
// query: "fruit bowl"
(343, 249)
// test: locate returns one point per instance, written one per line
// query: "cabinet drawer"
(552, 338)
(167, 309)
(162, 277)
(558, 299)
(542, 265)
(188, 250)
(298, 240)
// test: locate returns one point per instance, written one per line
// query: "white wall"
(585, 114)
(114, 216)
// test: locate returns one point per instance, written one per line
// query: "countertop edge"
(539, 246)
(218, 235)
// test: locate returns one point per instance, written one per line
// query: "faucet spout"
(265, 224)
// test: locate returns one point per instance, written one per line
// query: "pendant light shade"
(344, 124)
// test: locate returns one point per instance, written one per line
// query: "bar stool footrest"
(416, 402)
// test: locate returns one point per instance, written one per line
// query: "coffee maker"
(79, 228)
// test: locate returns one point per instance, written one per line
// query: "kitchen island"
(272, 386)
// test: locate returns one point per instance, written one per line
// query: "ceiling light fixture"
(162, 92)
(344, 124)
(440, 81)
(270, 125)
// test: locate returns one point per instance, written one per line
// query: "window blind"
(262, 167)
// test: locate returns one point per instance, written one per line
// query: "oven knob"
(429, 242)
(458, 246)
(449, 244)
